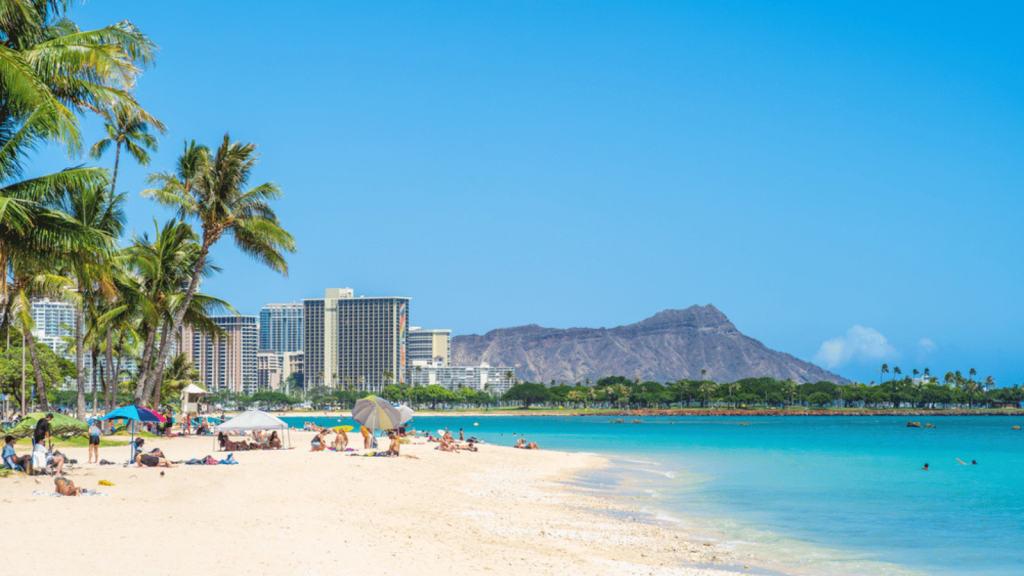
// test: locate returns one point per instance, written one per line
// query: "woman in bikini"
(66, 487)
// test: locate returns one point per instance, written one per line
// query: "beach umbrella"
(406, 413)
(61, 424)
(135, 414)
(376, 414)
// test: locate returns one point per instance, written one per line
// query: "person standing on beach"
(366, 437)
(461, 437)
(41, 435)
(94, 442)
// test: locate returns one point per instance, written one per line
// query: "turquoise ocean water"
(820, 495)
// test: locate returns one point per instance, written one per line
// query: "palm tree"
(100, 219)
(885, 370)
(703, 373)
(211, 189)
(127, 126)
(179, 374)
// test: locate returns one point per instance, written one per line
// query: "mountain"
(669, 346)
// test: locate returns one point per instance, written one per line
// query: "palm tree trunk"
(117, 160)
(165, 345)
(80, 354)
(109, 377)
(40, 381)
(95, 369)
(117, 372)
(146, 364)
(157, 385)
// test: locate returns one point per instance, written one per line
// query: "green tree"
(527, 393)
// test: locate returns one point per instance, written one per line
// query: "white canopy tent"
(253, 419)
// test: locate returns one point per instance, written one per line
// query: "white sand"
(499, 511)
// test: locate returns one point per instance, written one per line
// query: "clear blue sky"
(839, 174)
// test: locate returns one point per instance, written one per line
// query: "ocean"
(817, 495)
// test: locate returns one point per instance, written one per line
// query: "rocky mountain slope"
(671, 345)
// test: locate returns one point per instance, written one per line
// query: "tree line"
(954, 391)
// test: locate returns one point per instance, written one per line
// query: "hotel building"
(430, 346)
(281, 327)
(227, 363)
(494, 379)
(357, 340)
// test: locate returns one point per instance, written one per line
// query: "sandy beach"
(497, 511)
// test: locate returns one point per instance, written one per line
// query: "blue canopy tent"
(135, 414)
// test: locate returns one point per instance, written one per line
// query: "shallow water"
(820, 494)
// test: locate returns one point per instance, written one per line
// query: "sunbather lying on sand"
(153, 461)
(521, 443)
(66, 487)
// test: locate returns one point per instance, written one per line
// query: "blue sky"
(844, 182)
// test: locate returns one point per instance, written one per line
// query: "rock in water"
(1015, 428)
(913, 424)
(929, 425)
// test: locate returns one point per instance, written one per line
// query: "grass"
(72, 442)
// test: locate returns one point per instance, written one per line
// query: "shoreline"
(500, 510)
(685, 412)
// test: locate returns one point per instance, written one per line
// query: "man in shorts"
(42, 431)
(94, 442)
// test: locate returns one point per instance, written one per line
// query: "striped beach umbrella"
(376, 414)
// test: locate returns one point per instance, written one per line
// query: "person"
(319, 442)
(340, 440)
(186, 424)
(66, 487)
(94, 442)
(12, 460)
(41, 435)
(532, 446)
(521, 443)
(170, 422)
(974, 462)
(367, 435)
(137, 449)
(152, 461)
(925, 467)
(395, 448)
(274, 441)
(461, 437)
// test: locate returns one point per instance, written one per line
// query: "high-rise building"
(495, 379)
(273, 369)
(55, 322)
(430, 346)
(229, 362)
(361, 340)
(281, 327)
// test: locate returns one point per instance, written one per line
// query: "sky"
(842, 181)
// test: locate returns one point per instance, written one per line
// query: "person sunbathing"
(521, 443)
(66, 487)
(274, 441)
(229, 446)
(340, 441)
(152, 461)
(532, 446)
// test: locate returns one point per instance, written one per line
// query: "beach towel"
(59, 495)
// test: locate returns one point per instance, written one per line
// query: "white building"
(55, 322)
(493, 379)
(430, 346)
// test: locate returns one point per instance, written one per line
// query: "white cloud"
(859, 342)
(926, 345)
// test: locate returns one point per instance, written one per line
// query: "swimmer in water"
(925, 467)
